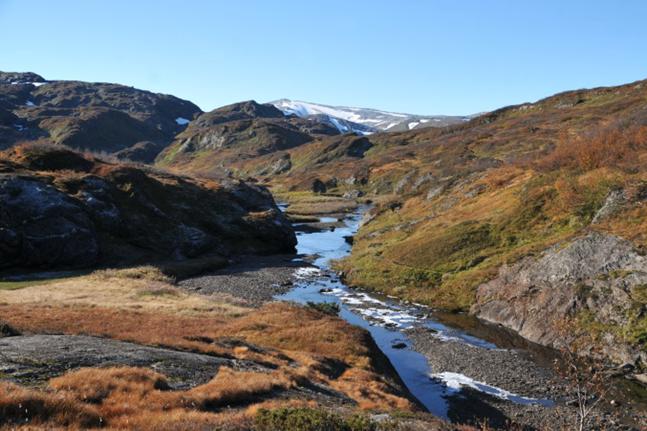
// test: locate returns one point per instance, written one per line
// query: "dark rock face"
(7, 330)
(319, 186)
(41, 226)
(358, 147)
(595, 274)
(59, 209)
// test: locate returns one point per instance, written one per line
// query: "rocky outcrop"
(42, 226)
(61, 209)
(596, 278)
(37, 358)
(19, 78)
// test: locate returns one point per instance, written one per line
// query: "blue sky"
(425, 57)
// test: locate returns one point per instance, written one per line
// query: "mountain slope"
(100, 117)
(217, 141)
(365, 120)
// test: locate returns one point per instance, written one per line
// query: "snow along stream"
(385, 320)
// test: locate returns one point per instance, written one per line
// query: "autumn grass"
(437, 252)
(22, 406)
(326, 349)
(137, 398)
(139, 288)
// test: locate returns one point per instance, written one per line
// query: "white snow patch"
(338, 124)
(182, 121)
(306, 272)
(35, 84)
(457, 381)
(30, 103)
(424, 120)
(365, 116)
(413, 124)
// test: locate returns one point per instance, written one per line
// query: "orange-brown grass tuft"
(21, 406)
(231, 387)
(154, 329)
(139, 398)
(94, 385)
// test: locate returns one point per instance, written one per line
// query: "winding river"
(386, 319)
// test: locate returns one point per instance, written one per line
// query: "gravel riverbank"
(250, 280)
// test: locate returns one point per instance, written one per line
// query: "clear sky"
(424, 57)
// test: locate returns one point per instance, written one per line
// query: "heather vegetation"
(293, 348)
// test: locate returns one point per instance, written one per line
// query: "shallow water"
(385, 319)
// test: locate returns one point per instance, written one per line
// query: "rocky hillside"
(533, 216)
(99, 117)
(216, 141)
(63, 209)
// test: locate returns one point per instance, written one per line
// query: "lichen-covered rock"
(42, 226)
(596, 276)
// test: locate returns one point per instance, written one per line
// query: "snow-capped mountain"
(365, 120)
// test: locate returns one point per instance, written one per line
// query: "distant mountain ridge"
(365, 120)
(117, 119)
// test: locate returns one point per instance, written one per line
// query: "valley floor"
(134, 349)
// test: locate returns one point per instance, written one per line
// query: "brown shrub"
(611, 146)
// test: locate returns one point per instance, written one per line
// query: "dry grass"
(303, 344)
(136, 398)
(308, 204)
(21, 406)
(142, 288)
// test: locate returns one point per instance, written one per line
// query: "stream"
(387, 319)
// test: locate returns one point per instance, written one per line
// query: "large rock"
(37, 358)
(41, 226)
(58, 208)
(594, 275)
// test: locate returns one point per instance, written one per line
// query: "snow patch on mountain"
(364, 120)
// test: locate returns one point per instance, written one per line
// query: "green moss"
(635, 331)
(329, 308)
(305, 419)
(15, 285)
